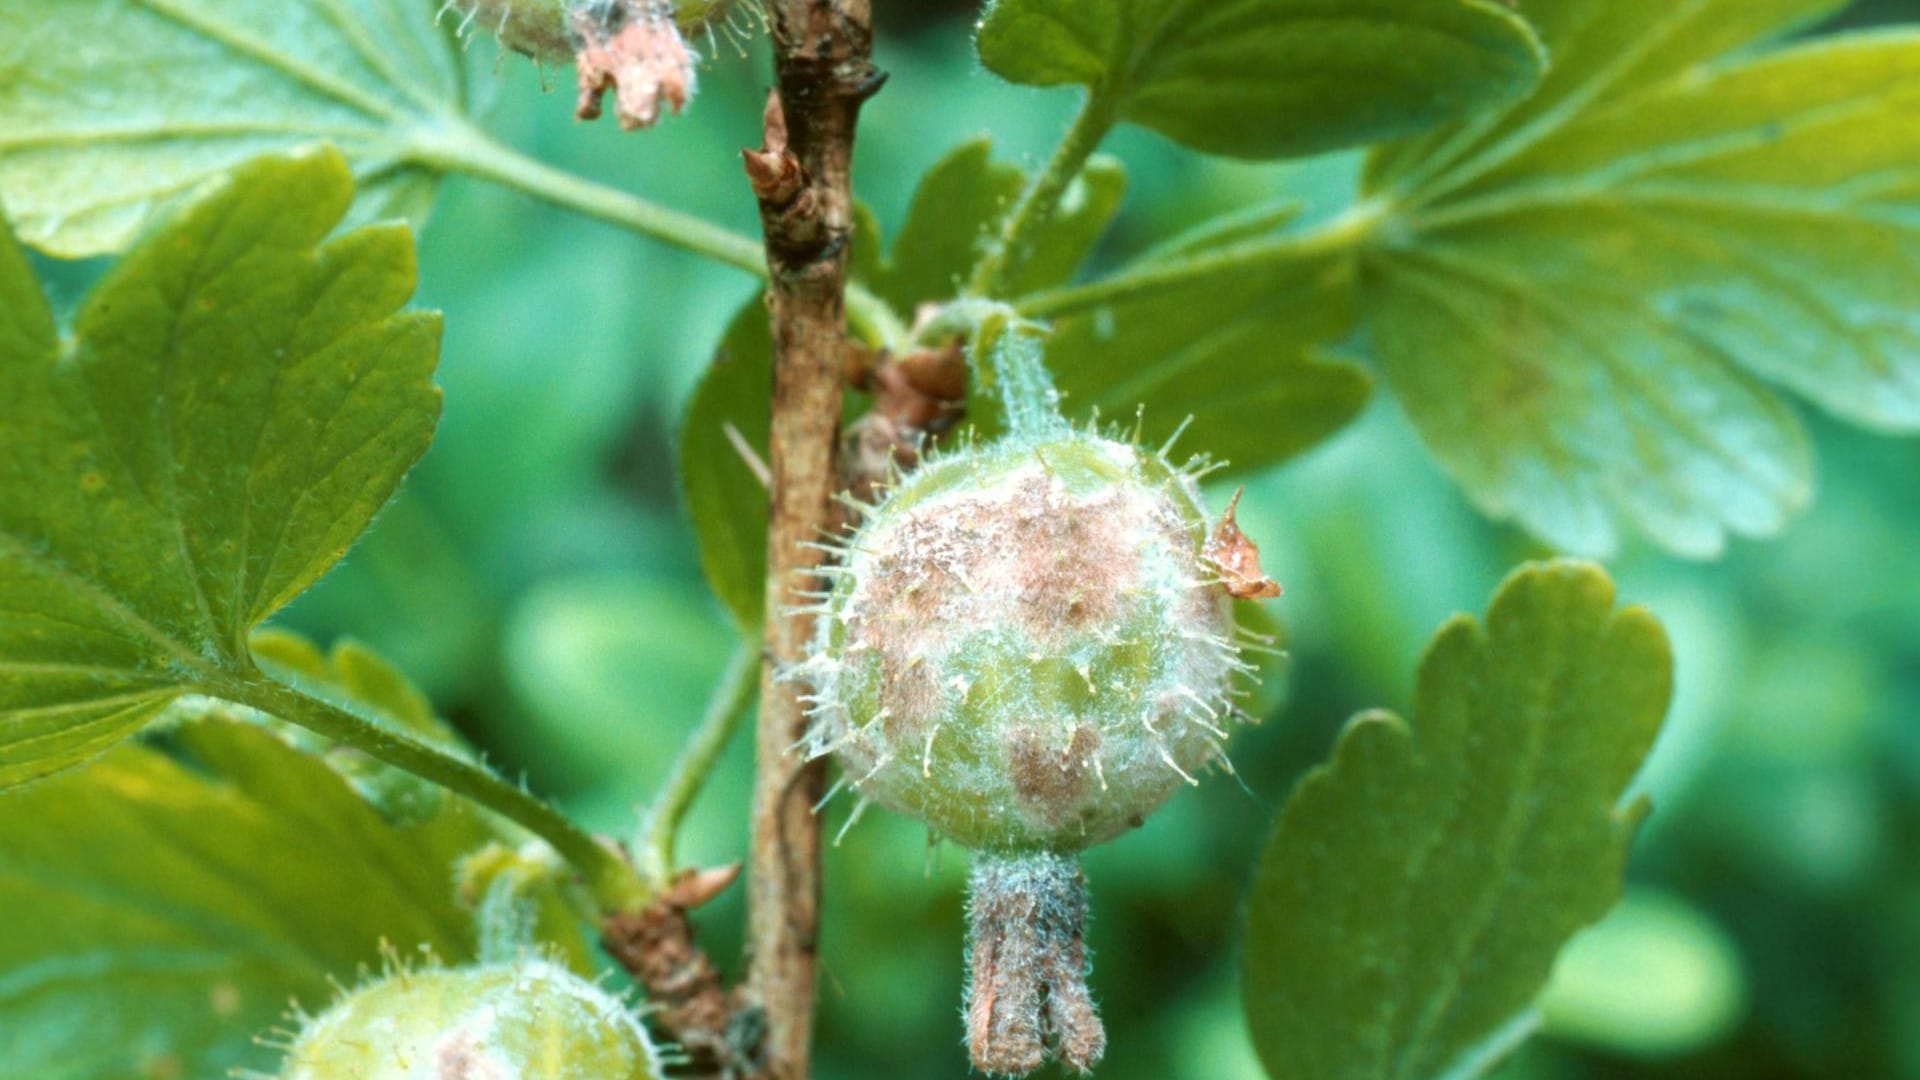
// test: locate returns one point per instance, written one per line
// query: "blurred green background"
(538, 577)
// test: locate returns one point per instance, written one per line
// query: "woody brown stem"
(800, 176)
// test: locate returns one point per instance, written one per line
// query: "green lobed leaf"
(1587, 305)
(159, 916)
(117, 109)
(956, 210)
(568, 652)
(1269, 78)
(1417, 887)
(1230, 357)
(1599, 51)
(726, 501)
(236, 401)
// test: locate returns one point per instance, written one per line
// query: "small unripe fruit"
(1026, 647)
(528, 1020)
(1029, 645)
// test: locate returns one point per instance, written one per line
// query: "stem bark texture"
(801, 178)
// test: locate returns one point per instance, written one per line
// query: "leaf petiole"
(731, 698)
(614, 884)
(1041, 199)
(1351, 229)
(471, 152)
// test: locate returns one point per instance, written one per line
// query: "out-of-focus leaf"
(116, 109)
(1269, 78)
(237, 400)
(570, 651)
(953, 216)
(1579, 302)
(722, 438)
(1235, 352)
(1656, 978)
(1416, 888)
(160, 917)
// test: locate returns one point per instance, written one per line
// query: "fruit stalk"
(1009, 357)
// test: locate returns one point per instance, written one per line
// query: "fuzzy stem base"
(1027, 955)
(1010, 359)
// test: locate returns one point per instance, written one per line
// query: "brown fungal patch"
(1072, 558)
(459, 1057)
(911, 695)
(1050, 779)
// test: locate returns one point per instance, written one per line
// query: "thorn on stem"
(777, 176)
(755, 464)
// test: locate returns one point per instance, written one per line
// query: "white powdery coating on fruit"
(537, 28)
(1025, 649)
(530, 1020)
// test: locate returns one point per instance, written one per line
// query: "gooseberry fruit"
(1030, 645)
(527, 1020)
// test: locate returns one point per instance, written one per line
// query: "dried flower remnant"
(1238, 558)
(635, 49)
(1027, 966)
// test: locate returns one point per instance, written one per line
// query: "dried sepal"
(1027, 990)
(635, 49)
(1238, 558)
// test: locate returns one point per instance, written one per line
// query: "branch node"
(656, 946)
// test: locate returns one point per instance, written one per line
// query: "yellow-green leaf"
(116, 109)
(1417, 887)
(160, 916)
(235, 402)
